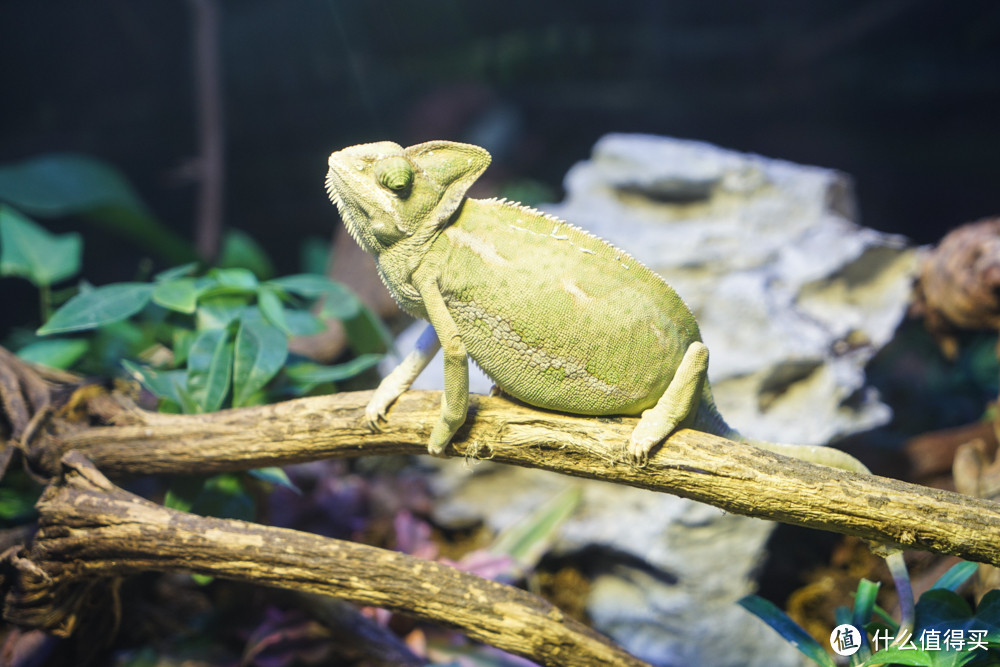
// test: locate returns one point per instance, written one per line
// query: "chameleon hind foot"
(675, 405)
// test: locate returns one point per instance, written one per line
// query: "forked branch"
(92, 532)
(735, 477)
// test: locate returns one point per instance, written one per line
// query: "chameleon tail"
(709, 420)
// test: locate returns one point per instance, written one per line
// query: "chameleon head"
(385, 192)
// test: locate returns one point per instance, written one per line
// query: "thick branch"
(736, 477)
(90, 531)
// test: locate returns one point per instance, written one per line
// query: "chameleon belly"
(548, 333)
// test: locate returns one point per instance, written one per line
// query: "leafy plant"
(946, 632)
(62, 184)
(198, 340)
(212, 340)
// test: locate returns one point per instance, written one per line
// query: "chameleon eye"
(395, 174)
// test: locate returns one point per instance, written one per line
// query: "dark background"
(902, 94)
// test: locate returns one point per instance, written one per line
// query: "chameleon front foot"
(377, 408)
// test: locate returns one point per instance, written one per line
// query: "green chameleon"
(556, 317)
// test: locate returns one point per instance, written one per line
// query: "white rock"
(793, 298)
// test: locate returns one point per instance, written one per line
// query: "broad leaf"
(261, 350)
(270, 305)
(308, 374)
(29, 251)
(904, 656)
(179, 294)
(68, 184)
(167, 385)
(339, 302)
(181, 271)
(781, 623)
(182, 339)
(956, 576)
(367, 333)
(275, 475)
(304, 284)
(236, 277)
(101, 305)
(314, 254)
(218, 311)
(209, 368)
(303, 323)
(527, 540)
(223, 496)
(239, 250)
(55, 352)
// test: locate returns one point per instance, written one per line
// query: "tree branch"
(91, 533)
(211, 133)
(733, 476)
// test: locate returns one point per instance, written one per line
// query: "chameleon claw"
(372, 418)
(636, 452)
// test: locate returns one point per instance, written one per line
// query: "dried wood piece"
(92, 533)
(736, 477)
(959, 285)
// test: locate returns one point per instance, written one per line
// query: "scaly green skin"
(556, 317)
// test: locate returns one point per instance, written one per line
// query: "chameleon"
(556, 317)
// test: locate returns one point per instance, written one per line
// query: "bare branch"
(736, 477)
(91, 533)
(211, 150)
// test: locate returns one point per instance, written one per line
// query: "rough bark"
(735, 477)
(92, 533)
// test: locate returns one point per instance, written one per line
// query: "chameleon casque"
(558, 318)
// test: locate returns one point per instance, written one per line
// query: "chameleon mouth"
(349, 206)
(353, 212)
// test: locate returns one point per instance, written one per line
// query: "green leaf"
(182, 339)
(900, 656)
(209, 368)
(218, 311)
(885, 618)
(942, 608)
(864, 602)
(307, 374)
(183, 492)
(239, 250)
(179, 294)
(181, 271)
(69, 184)
(314, 254)
(261, 350)
(527, 540)
(221, 496)
(781, 623)
(988, 612)
(225, 497)
(16, 506)
(957, 575)
(55, 352)
(303, 323)
(339, 302)
(367, 333)
(275, 476)
(29, 251)
(166, 385)
(99, 306)
(242, 279)
(270, 305)
(306, 284)
(208, 292)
